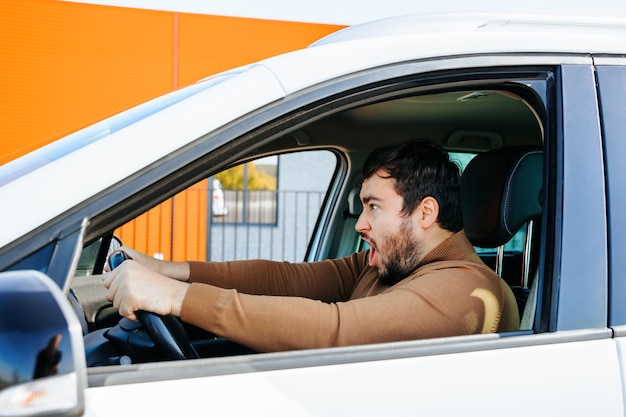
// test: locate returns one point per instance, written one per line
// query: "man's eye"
(373, 207)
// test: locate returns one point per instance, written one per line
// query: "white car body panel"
(580, 378)
(621, 354)
(302, 69)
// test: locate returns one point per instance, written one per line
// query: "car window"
(266, 208)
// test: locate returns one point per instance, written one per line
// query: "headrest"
(501, 190)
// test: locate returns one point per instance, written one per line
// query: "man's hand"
(133, 286)
(175, 270)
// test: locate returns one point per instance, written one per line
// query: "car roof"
(114, 154)
(472, 22)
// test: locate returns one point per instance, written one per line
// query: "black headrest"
(501, 190)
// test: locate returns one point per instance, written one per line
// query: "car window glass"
(265, 209)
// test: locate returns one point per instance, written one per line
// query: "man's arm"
(434, 304)
(330, 281)
(144, 284)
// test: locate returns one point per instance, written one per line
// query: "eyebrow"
(367, 198)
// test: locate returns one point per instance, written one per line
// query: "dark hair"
(420, 169)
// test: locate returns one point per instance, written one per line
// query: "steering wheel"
(166, 332)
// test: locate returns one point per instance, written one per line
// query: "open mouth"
(372, 253)
(370, 260)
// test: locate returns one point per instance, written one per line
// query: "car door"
(567, 364)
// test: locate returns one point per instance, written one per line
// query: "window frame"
(611, 76)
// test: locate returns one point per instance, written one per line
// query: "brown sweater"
(274, 306)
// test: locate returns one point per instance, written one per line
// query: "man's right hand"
(132, 286)
(170, 269)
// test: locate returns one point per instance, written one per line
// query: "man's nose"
(362, 225)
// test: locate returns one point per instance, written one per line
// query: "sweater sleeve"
(329, 281)
(436, 303)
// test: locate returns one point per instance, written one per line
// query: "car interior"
(494, 126)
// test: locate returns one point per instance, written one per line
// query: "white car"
(541, 102)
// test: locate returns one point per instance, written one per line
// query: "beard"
(403, 255)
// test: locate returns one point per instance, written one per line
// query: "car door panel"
(578, 373)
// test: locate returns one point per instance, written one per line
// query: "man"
(49, 358)
(421, 277)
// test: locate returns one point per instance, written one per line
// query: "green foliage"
(232, 178)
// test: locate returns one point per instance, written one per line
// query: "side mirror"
(42, 359)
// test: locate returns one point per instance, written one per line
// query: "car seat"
(501, 192)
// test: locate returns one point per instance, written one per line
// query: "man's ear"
(429, 212)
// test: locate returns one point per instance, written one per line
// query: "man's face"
(394, 239)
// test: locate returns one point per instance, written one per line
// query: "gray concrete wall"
(303, 179)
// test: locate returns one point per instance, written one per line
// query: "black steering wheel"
(166, 332)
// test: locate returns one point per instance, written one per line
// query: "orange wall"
(176, 229)
(66, 65)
